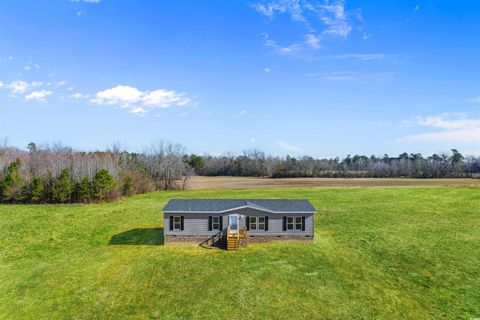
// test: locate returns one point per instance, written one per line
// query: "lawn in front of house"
(385, 253)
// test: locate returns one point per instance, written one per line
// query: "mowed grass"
(378, 253)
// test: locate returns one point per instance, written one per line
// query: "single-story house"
(257, 220)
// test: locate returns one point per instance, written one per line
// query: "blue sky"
(323, 78)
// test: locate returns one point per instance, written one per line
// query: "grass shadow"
(139, 236)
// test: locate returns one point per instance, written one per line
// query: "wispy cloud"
(19, 86)
(456, 130)
(359, 77)
(335, 18)
(38, 95)
(31, 66)
(79, 95)
(362, 56)
(253, 140)
(137, 101)
(321, 19)
(272, 44)
(312, 41)
(287, 146)
(266, 70)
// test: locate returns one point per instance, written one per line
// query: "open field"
(206, 183)
(378, 253)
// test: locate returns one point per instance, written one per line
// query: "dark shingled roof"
(220, 205)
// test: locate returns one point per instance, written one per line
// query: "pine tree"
(62, 188)
(11, 185)
(35, 190)
(103, 185)
(82, 190)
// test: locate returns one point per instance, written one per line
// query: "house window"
(298, 223)
(261, 223)
(294, 223)
(257, 223)
(177, 223)
(290, 224)
(216, 223)
(253, 223)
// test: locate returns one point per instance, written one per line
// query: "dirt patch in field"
(203, 183)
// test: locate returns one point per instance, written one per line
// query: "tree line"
(254, 163)
(59, 174)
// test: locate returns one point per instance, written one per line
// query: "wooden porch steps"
(233, 243)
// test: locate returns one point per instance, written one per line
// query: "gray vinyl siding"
(193, 224)
(197, 223)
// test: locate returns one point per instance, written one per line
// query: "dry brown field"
(204, 183)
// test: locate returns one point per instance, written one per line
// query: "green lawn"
(378, 253)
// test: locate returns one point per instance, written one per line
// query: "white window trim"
(218, 222)
(257, 223)
(179, 223)
(294, 223)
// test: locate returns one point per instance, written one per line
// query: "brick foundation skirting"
(185, 238)
(260, 239)
(251, 239)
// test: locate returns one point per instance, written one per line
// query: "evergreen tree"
(103, 185)
(11, 185)
(35, 190)
(62, 188)
(82, 190)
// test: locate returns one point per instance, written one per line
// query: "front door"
(233, 223)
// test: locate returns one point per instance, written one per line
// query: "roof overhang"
(241, 207)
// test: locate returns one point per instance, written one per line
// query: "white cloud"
(460, 130)
(267, 70)
(119, 95)
(362, 56)
(335, 18)
(443, 123)
(38, 95)
(288, 147)
(359, 77)
(18, 87)
(270, 9)
(1, 84)
(31, 66)
(291, 49)
(253, 140)
(312, 40)
(78, 95)
(325, 18)
(140, 102)
(163, 99)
